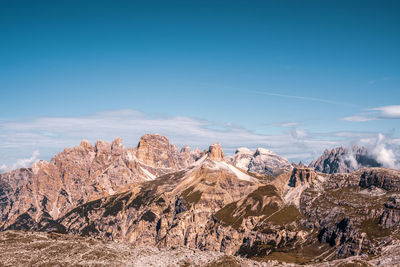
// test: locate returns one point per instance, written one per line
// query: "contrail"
(306, 98)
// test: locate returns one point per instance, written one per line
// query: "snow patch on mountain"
(262, 161)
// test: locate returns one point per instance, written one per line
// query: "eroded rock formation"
(83, 173)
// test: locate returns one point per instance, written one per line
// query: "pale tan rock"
(84, 173)
(215, 152)
(301, 176)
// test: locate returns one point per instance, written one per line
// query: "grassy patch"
(284, 216)
(149, 216)
(190, 196)
(225, 215)
(252, 206)
(224, 261)
(288, 257)
(372, 228)
(267, 191)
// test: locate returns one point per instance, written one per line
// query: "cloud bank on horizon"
(379, 113)
(50, 135)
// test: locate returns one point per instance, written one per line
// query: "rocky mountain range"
(254, 204)
(343, 160)
(49, 189)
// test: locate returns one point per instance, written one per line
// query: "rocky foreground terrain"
(19, 248)
(154, 204)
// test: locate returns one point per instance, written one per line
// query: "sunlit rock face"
(301, 176)
(215, 152)
(84, 173)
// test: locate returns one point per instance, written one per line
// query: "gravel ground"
(19, 248)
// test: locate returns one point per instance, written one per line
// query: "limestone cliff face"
(380, 177)
(301, 176)
(391, 214)
(215, 152)
(156, 153)
(81, 174)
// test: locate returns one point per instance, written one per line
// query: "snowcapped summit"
(263, 151)
(243, 150)
(262, 161)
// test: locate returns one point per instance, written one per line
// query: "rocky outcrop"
(215, 152)
(391, 215)
(386, 179)
(155, 152)
(344, 236)
(301, 176)
(262, 161)
(342, 160)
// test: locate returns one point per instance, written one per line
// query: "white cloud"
(51, 135)
(3, 167)
(383, 149)
(385, 112)
(288, 124)
(351, 158)
(298, 133)
(361, 117)
(388, 112)
(21, 163)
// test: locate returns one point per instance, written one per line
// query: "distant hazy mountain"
(342, 160)
(262, 161)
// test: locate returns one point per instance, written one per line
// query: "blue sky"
(293, 76)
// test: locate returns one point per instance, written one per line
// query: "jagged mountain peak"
(300, 164)
(117, 142)
(86, 144)
(157, 140)
(185, 149)
(215, 152)
(344, 160)
(85, 172)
